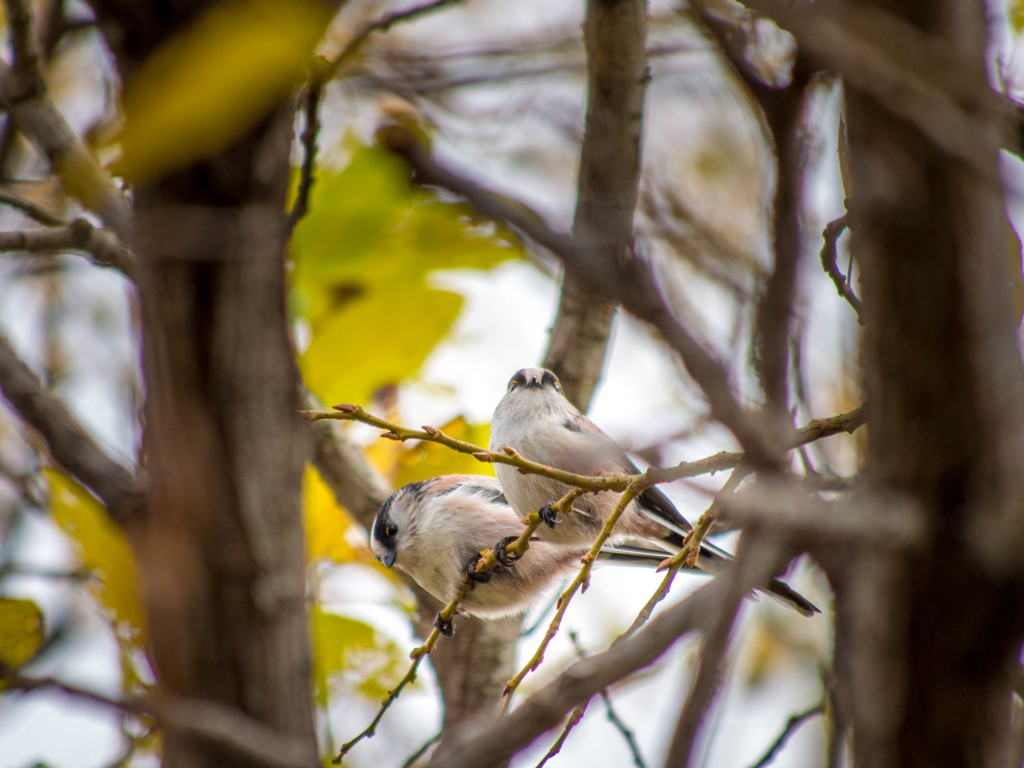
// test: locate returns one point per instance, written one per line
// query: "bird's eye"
(557, 386)
(391, 530)
(512, 385)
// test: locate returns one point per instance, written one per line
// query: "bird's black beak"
(389, 558)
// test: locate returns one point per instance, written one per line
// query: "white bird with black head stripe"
(536, 420)
(436, 529)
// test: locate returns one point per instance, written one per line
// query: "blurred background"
(406, 302)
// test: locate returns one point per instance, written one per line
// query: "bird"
(537, 421)
(435, 531)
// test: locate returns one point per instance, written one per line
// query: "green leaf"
(362, 259)
(1015, 15)
(343, 644)
(21, 630)
(103, 549)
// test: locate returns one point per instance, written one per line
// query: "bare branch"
(228, 728)
(792, 724)
(814, 430)
(69, 444)
(610, 711)
(79, 235)
(30, 209)
(828, 262)
(615, 35)
(916, 80)
(486, 745)
(632, 282)
(382, 24)
(23, 96)
(757, 557)
(310, 102)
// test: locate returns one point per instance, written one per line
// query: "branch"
(756, 558)
(418, 654)
(904, 70)
(792, 724)
(572, 722)
(382, 24)
(487, 745)
(80, 173)
(486, 562)
(814, 430)
(632, 282)
(829, 258)
(32, 210)
(582, 580)
(68, 443)
(615, 36)
(106, 250)
(228, 728)
(26, 71)
(311, 96)
(610, 711)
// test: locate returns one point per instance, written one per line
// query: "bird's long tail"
(711, 560)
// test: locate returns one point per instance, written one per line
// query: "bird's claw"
(548, 515)
(479, 577)
(444, 626)
(501, 553)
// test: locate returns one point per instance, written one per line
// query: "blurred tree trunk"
(927, 639)
(222, 544)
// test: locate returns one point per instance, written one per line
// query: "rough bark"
(927, 639)
(222, 551)
(615, 34)
(221, 547)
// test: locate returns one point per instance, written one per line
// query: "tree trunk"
(926, 639)
(222, 550)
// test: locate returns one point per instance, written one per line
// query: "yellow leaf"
(1015, 15)
(209, 85)
(418, 462)
(328, 525)
(362, 260)
(344, 644)
(21, 630)
(103, 550)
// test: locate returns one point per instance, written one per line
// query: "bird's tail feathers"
(713, 558)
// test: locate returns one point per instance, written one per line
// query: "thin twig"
(230, 729)
(792, 724)
(486, 562)
(574, 719)
(488, 744)
(382, 24)
(69, 444)
(417, 655)
(411, 759)
(581, 581)
(613, 716)
(311, 96)
(32, 210)
(79, 235)
(688, 554)
(813, 430)
(828, 262)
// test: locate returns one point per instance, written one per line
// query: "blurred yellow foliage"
(362, 257)
(210, 84)
(103, 550)
(328, 525)
(21, 631)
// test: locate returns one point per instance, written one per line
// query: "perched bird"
(436, 529)
(540, 424)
